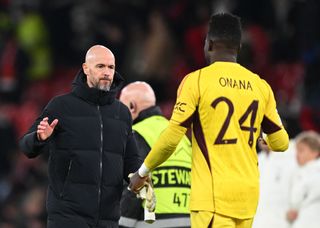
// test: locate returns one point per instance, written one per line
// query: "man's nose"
(108, 73)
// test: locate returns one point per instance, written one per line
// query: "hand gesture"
(44, 129)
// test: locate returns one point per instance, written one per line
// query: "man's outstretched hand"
(137, 182)
(44, 129)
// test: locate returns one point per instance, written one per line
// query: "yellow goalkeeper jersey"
(226, 105)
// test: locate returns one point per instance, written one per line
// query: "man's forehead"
(99, 53)
(101, 59)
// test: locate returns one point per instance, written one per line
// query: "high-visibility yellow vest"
(171, 179)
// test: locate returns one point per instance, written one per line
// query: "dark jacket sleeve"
(131, 206)
(132, 159)
(29, 143)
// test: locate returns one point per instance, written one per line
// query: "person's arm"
(184, 109)
(31, 146)
(131, 205)
(278, 141)
(132, 158)
(299, 194)
(165, 145)
(277, 137)
(36, 140)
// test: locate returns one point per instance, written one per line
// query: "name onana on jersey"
(235, 84)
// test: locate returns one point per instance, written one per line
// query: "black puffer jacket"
(91, 151)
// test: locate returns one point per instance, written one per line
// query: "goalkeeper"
(171, 180)
(226, 106)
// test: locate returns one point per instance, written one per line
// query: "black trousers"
(78, 223)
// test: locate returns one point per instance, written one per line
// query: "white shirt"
(275, 172)
(305, 195)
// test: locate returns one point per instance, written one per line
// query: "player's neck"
(223, 56)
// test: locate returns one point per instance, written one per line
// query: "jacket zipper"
(65, 181)
(100, 162)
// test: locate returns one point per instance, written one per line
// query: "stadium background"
(43, 43)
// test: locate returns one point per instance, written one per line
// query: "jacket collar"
(152, 111)
(81, 89)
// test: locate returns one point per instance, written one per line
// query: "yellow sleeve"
(271, 116)
(277, 137)
(187, 100)
(165, 145)
(278, 141)
(186, 105)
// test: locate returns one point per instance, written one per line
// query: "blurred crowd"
(43, 43)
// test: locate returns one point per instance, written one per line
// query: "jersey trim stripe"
(187, 123)
(199, 136)
(199, 86)
(181, 85)
(268, 126)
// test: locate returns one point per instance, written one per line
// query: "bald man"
(172, 179)
(88, 135)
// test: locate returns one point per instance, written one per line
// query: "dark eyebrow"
(112, 66)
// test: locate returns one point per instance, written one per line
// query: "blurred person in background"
(171, 180)
(275, 172)
(227, 107)
(32, 213)
(8, 148)
(304, 196)
(32, 34)
(88, 134)
(14, 62)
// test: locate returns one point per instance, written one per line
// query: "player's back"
(231, 108)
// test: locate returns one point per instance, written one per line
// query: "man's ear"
(132, 107)
(85, 68)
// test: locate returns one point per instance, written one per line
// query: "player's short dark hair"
(225, 28)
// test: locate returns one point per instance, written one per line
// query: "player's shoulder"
(254, 76)
(56, 102)
(190, 79)
(60, 98)
(197, 74)
(249, 72)
(263, 84)
(193, 75)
